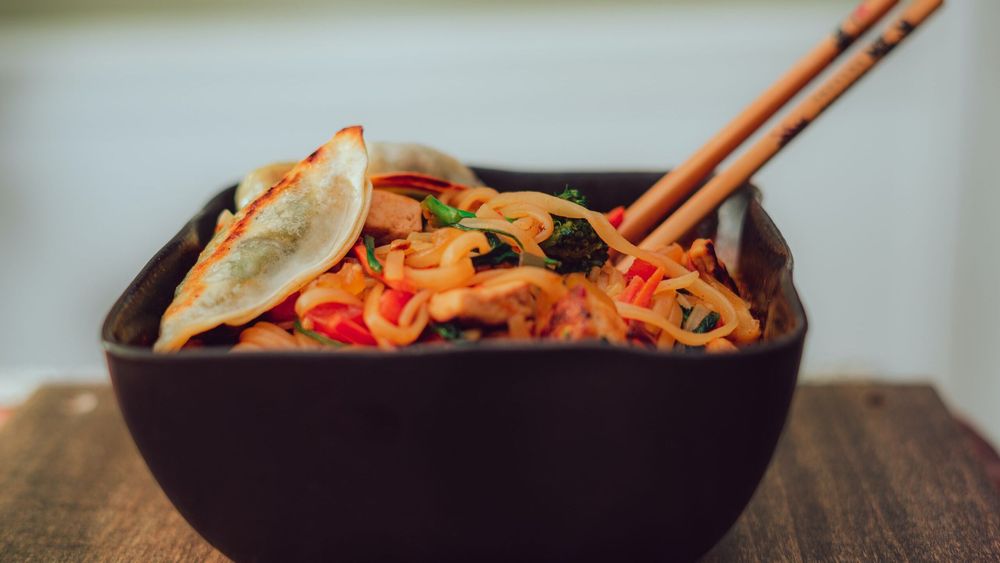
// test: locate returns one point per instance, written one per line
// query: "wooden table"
(863, 472)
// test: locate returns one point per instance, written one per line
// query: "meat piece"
(582, 316)
(483, 305)
(702, 257)
(391, 216)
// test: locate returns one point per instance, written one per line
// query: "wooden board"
(862, 473)
(868, 473)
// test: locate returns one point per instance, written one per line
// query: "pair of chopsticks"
(672, 188)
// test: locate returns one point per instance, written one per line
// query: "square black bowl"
(492, 452)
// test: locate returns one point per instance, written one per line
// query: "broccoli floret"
(574, 242)
(574, 195)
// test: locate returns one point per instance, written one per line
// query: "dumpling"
(383, 158)
(294, 231)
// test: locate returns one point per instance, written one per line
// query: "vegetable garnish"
(645, 294)
(640, 268)
(616, 216)
(573, 242)
(392, 302)
(685, 313)
(441, 214)
(706, 324)
(340, 322)
(448, 331)
(316, 336)
(373, 262)
(631, 290)
(501, 253)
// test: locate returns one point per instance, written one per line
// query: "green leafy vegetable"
(316, 336)
(573, 242)
(441, 214)
(501, 253)
(448, 331)
(528, 259)
(706, 324)
(373, 262)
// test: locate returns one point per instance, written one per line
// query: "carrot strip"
(633, 288)
(645, 295)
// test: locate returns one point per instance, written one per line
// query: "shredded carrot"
(646, 293)
(631, 290)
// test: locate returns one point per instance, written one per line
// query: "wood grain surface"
(862, 472)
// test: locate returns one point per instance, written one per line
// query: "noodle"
(442, 278)
(432, 256)
(658, 302)
(268, 336)
(547, 281)
(461, 245)
(604, 229)
(633, 312)
(534, 214)
(522, 238)
(471, 199)
(316, 296)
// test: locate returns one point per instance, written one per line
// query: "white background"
(115, 129)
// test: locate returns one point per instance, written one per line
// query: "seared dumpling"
(295, 230)
(383, 158)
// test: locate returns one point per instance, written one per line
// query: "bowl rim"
(128, 351)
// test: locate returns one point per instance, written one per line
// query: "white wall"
(114, 130)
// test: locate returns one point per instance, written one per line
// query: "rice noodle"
(393, 267)
(523, 239)
(610, 235)
(471, 199)
(673, 284)
(549, 282)
(432, 256)
(541, 219)
(460, 246)
(316, 296)
(629, 311)
(442, 278)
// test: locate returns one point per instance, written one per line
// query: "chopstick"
(650, 208)
(705, 200)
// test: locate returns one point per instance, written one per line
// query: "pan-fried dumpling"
(382, 159)
(293, 232)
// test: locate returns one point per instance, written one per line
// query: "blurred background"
(118, 119)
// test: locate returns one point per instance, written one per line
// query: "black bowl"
(493, 452)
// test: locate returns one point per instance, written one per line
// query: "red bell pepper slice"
(391, 304)
(341, 322)
(616, 216)
(640, 268)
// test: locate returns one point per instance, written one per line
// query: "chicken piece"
(392, 216)
(489, 306)
(582, 316)
(702, 257)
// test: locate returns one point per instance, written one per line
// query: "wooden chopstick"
(705, 200)
(651, 207)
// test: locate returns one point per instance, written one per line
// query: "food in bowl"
(333, 253)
